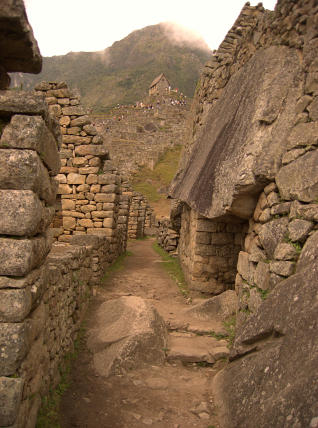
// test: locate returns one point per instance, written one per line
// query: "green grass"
(172, 266)
(218, 336)
(230, 328)
(48, 416)
(117, 265)
(148, 182)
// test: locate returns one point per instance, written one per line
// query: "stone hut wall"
(138, 216)
(276, 278)
(90, 186)
(167, 238)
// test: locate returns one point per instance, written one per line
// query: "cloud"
(181, 35)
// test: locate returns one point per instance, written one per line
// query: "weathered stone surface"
(282, 268)
(298, 229)
(285, 251)
(15, 305)
(23, 170)
(272, 233)
(21, 204)
(14, 345)
(309, 253)
(31, 132)
(299, 179)
(19, 256)
(262, 275)
(219, 307)
(262, 384)
(10, 397)
(302, 135)
(133, 334)
(18, 47)
(241, 144)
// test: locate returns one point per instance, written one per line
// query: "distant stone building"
(159, 85)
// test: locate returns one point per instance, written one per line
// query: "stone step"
(192, 348)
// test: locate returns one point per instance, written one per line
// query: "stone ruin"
(248, 190)
(65, 213)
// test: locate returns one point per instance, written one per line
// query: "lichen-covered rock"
(260, 389)
(243, 139)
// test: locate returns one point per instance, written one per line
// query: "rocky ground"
(139, 368)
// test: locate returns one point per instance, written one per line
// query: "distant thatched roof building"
(159, 85)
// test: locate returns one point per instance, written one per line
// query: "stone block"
(88, 170)
(19, 256)
(282, 268)
(14, 345)
(10, 399)
(245, 267)
(104, 197)
(222, 238)
(299, 179)
(15, 305)
(108, 222)
(302, 135)
(272, 233)
(31, 132)
(69, 223)
(207, 226)
(85, 222)
(21, 213)
(23, 170)
(68, 204)
(74, 178)
(102, 214)
(64, 189)
(80, 121)
(262, 275)
(75, 139)
(108, 179)
(110, 188)
(298, 229)
(74, 111)
(285, 251)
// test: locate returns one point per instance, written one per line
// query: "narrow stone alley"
(171, 392)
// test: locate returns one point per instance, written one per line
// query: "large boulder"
(129, 333)
(272, 380)
(244, 137)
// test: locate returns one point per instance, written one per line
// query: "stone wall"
(167, 238)
(89, 184)
(252, 157)
(140, 216)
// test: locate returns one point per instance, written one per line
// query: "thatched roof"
(157, 79)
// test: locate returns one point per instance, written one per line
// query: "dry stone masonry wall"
(89, 183)
(251, 165)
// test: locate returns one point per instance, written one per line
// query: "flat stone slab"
(240, 147)
(10, 397)
(218, 308)
(191, 348)
(129, 333)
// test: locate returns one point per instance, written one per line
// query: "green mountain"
(123, 72)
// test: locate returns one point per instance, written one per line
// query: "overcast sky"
(61, 26)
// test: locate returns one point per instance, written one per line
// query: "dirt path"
(172, 395)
